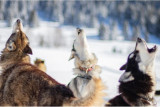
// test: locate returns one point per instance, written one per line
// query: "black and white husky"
(137, 83)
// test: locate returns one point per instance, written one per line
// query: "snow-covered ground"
(56, 59)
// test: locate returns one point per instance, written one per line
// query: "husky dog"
(40, 64)
(22, 84)
(137, 83)
(87, 86)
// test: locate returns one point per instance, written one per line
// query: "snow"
(56, 59)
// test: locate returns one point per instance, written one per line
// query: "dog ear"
(28, 50)
(72, 55)
(123, 67)
(126, 77)
(73, 52)
(11, 46)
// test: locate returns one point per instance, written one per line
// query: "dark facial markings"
(73, 48)
(133, 60)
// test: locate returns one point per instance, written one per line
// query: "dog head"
(38, 61)
(40, 64)
(85, 61)
(141, 60)
(17, 46)
(80, 46)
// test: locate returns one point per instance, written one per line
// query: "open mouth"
(79, 30)
(18, 21)
(152, 49)
(139, 40)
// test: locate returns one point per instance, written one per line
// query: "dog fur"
(137, 83)
(87, 86)
(23, 84)
(40, 64)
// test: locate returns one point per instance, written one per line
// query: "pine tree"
(114, 31)
(146, 36)
(104, 32)
(136, 33)
(2, 8)
(33, 19)
(59, 39)
(125, 30)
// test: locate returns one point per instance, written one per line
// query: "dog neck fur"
(87, 91)
(149, 70)
(95, 73)
(8, 60)
(92, 95)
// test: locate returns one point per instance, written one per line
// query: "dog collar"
(86, 69)
(85, 77)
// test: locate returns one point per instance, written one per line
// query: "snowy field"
(60, 68)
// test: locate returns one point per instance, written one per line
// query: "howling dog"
(23, 84)
(87, 86)
(39, 63)
(137, 83)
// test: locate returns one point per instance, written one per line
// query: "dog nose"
(18, 21)
(79, 30)
(139, 40)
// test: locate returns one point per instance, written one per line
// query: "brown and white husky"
(23, 84)
(87, 86)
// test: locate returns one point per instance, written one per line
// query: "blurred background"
(128, 18)
(111, 26)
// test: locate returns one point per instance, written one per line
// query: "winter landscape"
(52, 39)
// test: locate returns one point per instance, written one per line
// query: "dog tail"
(157, 92)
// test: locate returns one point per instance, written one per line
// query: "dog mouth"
(18, 24)
(151, 50)
(18, 21)
(141, 41)
(79, 30)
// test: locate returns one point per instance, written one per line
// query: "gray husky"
(87, 86)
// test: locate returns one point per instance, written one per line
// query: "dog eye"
(11, 46)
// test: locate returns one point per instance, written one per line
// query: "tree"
(125, 30)
(104, 32)
(2, 8)
(114, 31)
(136, 33)
(33, 19)
(59, 39)
(9, 17)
